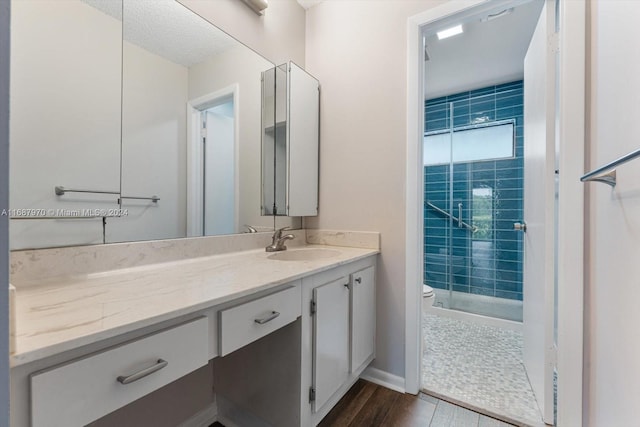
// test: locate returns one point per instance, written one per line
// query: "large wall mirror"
(151, 109)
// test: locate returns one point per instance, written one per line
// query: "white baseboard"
(383, 379)
(204, 418)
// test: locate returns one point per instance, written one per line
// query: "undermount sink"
(304, 254)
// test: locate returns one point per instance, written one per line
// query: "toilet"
(428, 296)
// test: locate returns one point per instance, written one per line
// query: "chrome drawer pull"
(358, 279)
(269, 318)
(143, 373)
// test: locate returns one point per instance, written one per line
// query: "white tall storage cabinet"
(290, 141)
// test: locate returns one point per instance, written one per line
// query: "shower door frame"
(571, 93)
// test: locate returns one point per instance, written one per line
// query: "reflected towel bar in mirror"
(154, 199)
(60, 191)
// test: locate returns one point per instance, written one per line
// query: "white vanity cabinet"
(342, 314)
(282, 355)
(330, 310)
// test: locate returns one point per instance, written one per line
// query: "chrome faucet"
(250, 229)
(277, 243)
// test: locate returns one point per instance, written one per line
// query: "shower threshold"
(483, 305)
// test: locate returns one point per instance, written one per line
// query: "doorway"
(218, 192)
(477, 337)
(212, 164)
(571, 154)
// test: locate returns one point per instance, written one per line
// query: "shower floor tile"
(477, 365)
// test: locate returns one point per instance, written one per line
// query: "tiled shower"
(481, 254)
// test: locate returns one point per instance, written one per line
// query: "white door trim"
(571, 198)
(195, 170)
(572, 66)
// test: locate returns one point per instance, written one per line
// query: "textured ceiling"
(168, 29)
(309, 3)
(487, 53)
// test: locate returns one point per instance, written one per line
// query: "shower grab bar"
(461, 223)
(609, 178)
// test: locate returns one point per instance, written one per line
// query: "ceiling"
(185, 38)
(487, 53)
(309, 3)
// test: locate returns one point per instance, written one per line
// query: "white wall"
(278, 35)
(358, 52)
(5, 12)
(154, 150)
(612, 346)
(65, 117)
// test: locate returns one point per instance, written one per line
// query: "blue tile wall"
(492, 265)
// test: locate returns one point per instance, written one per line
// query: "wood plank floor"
(368, 404)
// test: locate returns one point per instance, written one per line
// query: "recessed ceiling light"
(450, 32)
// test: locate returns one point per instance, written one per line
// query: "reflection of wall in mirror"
(153, 147)
(65, 117)
(240, 66)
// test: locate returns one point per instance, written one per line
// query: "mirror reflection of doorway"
(212, 164)
(218, 191)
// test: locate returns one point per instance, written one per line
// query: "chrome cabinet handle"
(269, 318)
(143, 373)
(358, 279)
(460, 215)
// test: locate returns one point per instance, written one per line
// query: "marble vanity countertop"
(64, 313)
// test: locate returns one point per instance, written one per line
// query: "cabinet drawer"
(87, 389)
(245, 323)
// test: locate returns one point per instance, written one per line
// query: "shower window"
(471, 143)
(482, 213)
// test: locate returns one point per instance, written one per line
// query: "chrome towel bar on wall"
(607, 173)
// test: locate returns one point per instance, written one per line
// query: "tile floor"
(479, 366)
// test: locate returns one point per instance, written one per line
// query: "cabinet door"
(363, 316)
(302, 143)
(330, 339)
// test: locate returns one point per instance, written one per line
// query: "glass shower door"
(473, 195)
(437, 206)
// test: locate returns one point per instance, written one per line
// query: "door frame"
(571, 125)
(195, 154)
